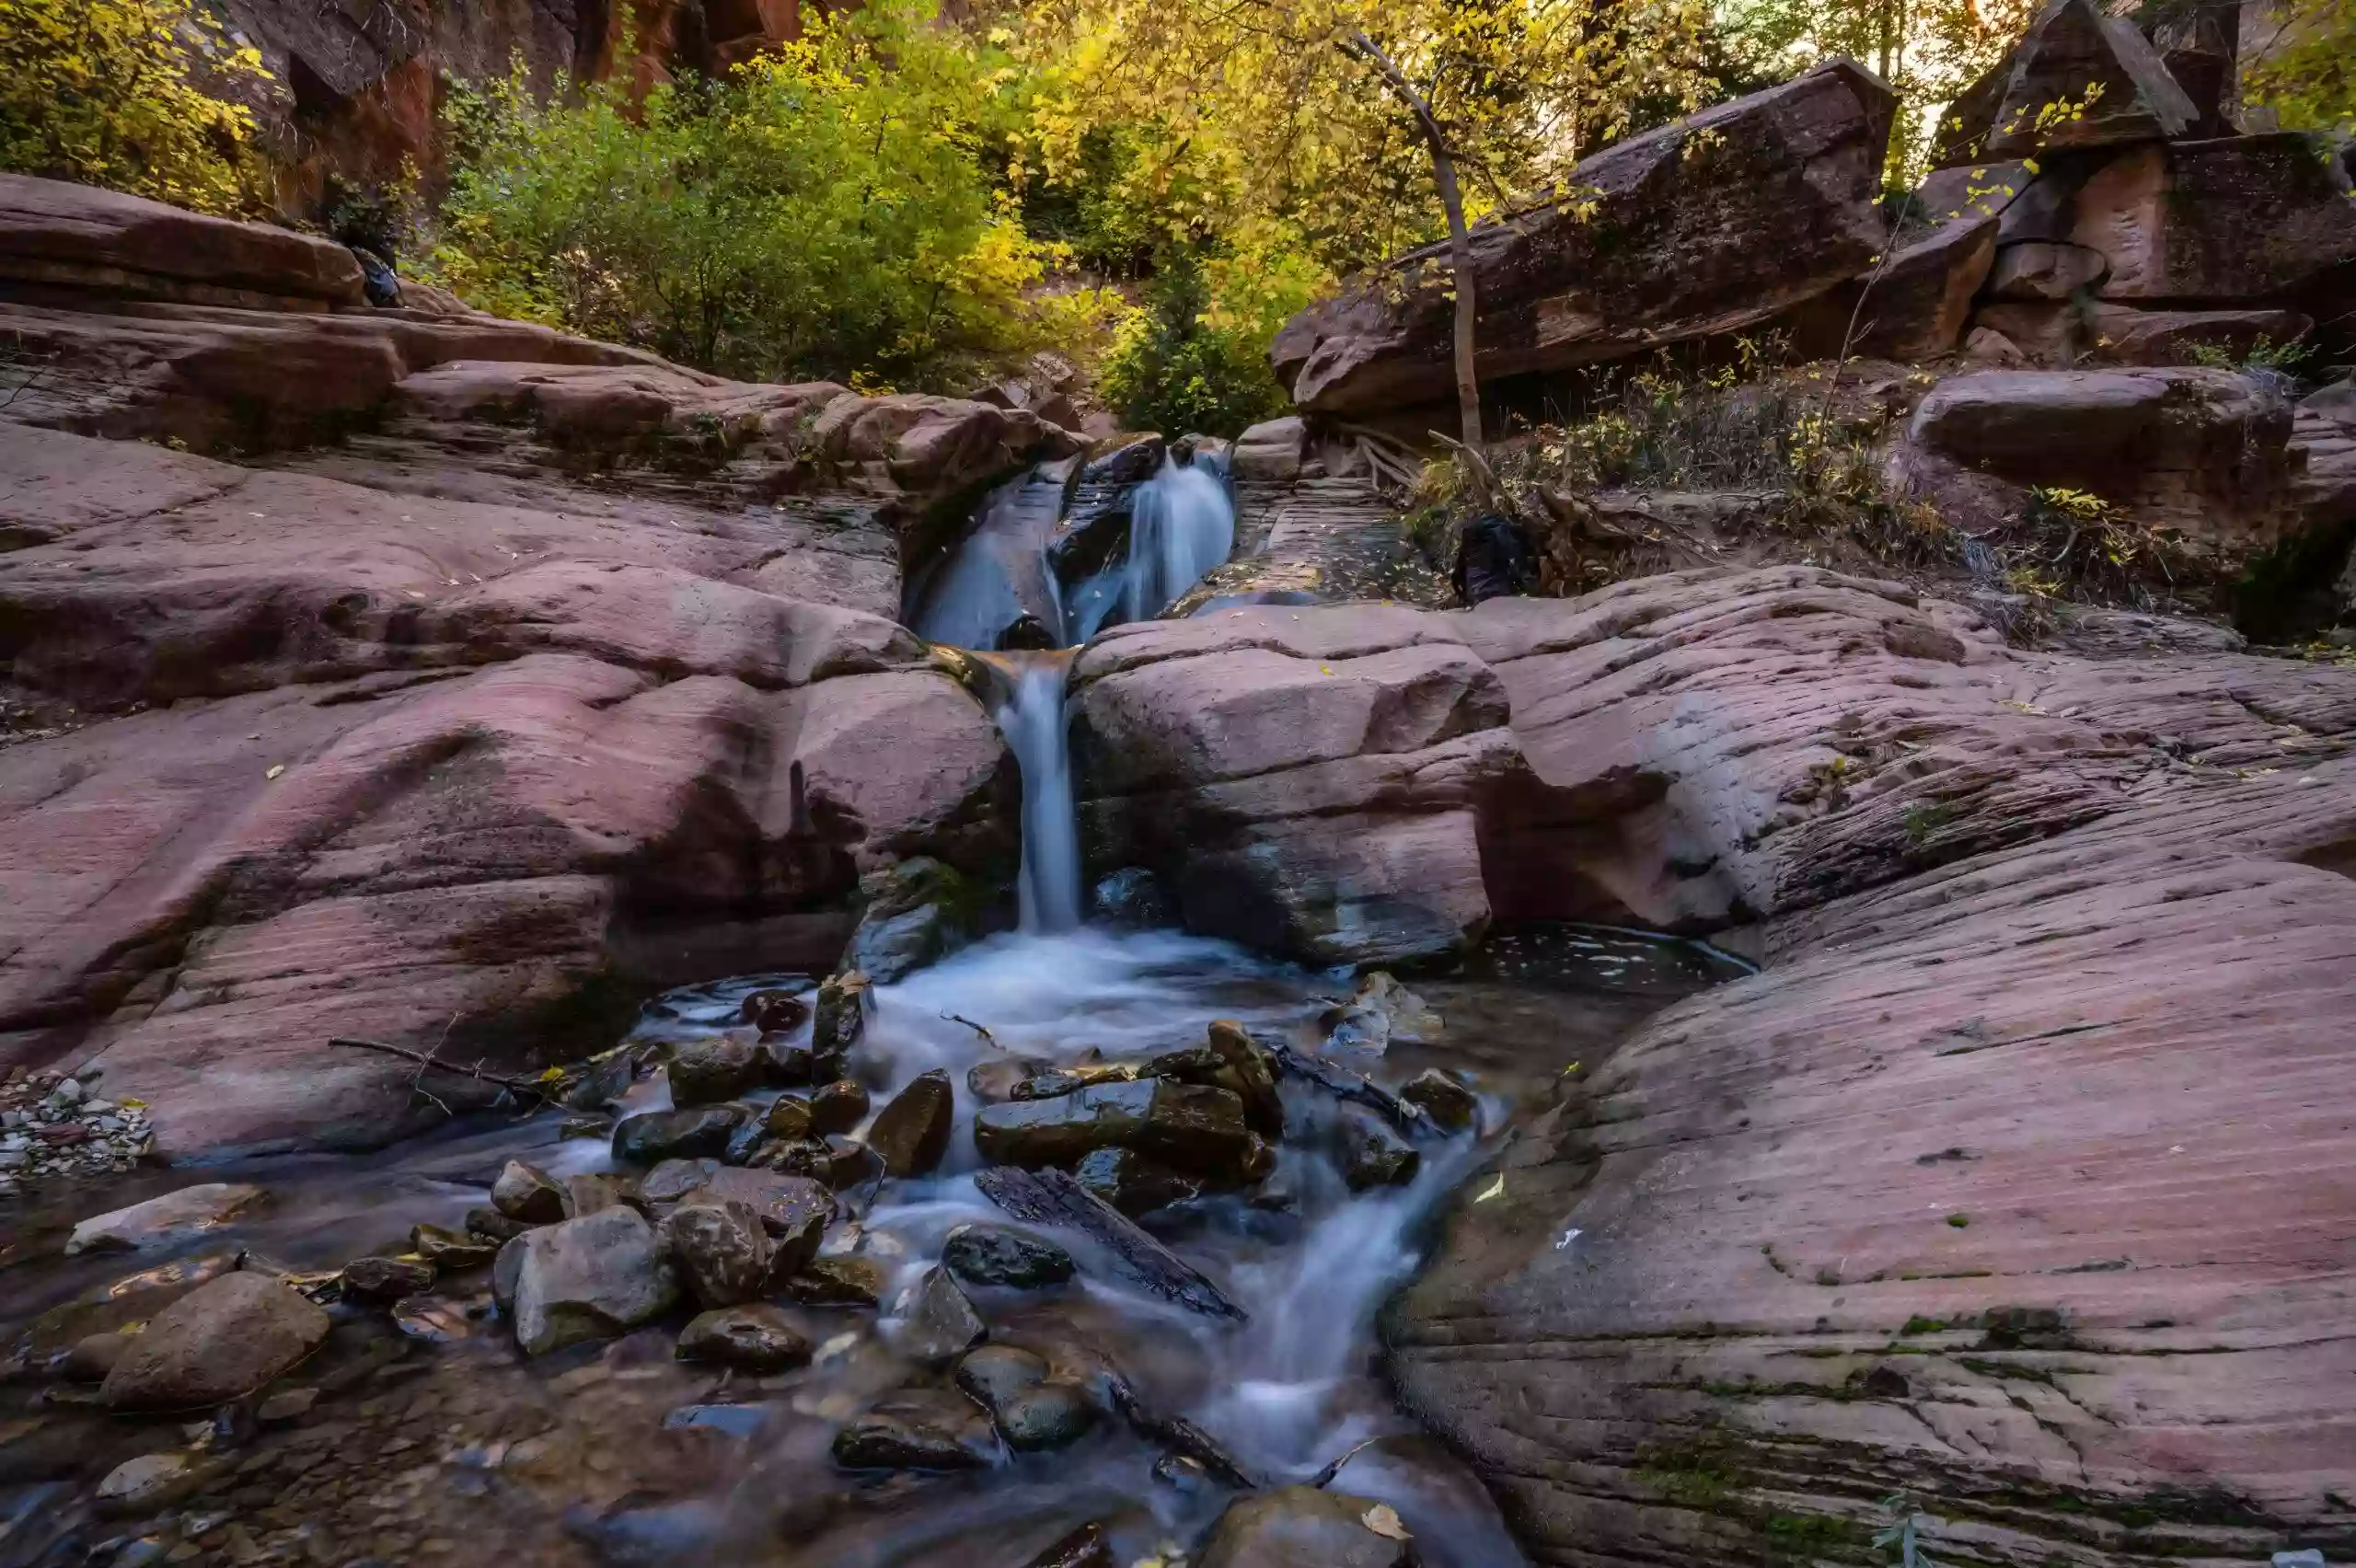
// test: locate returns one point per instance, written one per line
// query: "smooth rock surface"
(589, 1278)
(223, 1340)
(1295, 1525)
(172, 1217)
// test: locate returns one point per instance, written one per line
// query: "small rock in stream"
(922, 1429)
(674, 1179)
(1251, 1075)
(995, 1373)
(788, 1118)
(721, 1249)
(385, 1279)
(492, 1225)
(1003, 1255)
(1134, 1184)
(1295, 1525)
(911, 1134)
(1195, 1127)
(839, 1022)
(589, 1278)
(839, 1282)
(605, 1082)
(716, 1068)
(838, 1107)
(454, 1250)
(652, 1135)
(222, 1341)
(936, 1323)
(758, 1338)
(93, 1356)
(167, 1218)
(1050, 1415)
(773, 1011)
(1372, 1154)
(1453, 1107)
(151, 1482)
(527, 1195)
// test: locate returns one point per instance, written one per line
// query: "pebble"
(54, 1127)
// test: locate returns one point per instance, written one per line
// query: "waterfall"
(1032, 719)
(1182, 524)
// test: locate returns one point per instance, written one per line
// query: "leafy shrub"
(1183, 366)
(99, 91)
(826, 211)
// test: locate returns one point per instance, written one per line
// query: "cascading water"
(1031, 717)
(1181, 526)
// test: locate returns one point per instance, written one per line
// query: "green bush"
(826, 211)
(1176, 367)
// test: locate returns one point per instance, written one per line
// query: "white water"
(1181, 525)
(1031, 719)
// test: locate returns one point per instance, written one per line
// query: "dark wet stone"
(1084, 1548)
(839, 1021)
(788, 1118)
(1451, 1106)
(1050, 1415)
(722, 1250)
(1251, 1075)
(911, 1134)
(589, 1278)
(993, 1083)
(385, 1279)
(923, 1429)
(653, 1135)
(602, 1086)
(1189, 1063)
(1134, 1184)
(674, 1179)
(788, 1064)
(839, 1282)
(838, 1107)
(773, 1011)
(493, 1225)
(1001, 1255)
(1192, 1126)
(589, 1191)
(93, 1356)
(795, 1210)
(937, 1323)
(707, 1071)
(995, 1373)
(221, 1340)
(1296, 1526)
(505, 1269)
(1373, 1155)
(454, 1250)
(1182, 1472)
(529, 1194)
(756, 1338)
(851, 1162)
(915, 912)
(1259, 1160)
(1131, 897)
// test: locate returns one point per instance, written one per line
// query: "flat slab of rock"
(172, 1217)
(589, 1278)
(223, 1340)
(1197, 1127)
(919, 1429)
(54, 232)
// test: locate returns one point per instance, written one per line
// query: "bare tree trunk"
(1459, 244)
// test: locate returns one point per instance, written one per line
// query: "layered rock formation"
(564, 674)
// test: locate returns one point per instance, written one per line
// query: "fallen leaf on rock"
(1384, 1521)
(276, 768)
(1493, 1190)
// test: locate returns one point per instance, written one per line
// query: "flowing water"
(1029, 714)
(1183, 524)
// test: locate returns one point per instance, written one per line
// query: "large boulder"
(83, 237)
(220, 1341)
(1704, 226)
(2265, 219)
(2080, 77)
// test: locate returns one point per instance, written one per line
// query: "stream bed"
(420, 1432)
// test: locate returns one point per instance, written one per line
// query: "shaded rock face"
(476, 743)
(1772, 205)
(2076, 918)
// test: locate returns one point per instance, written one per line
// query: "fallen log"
(1055, 1198)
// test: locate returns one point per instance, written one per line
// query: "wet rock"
(911, 1134)
(653, 1135)
(1381, 1011)
(1251, 1075)
(527, 1195)
(758, 1338)
(1004, 1256)
(591, 1190)
(1131, 897)
(839, 1021)
(850, 1162)
(385, 1279)
(708, 1071)
(993, 1083)
(492, 1225)
(290, 1404)
(1296, 1526)
(602, 1086)
(788, 1118)
(1133, 1182)
(1194, 1126)
(1372, 1154)
(839, 1282)
(917, 912)
(171, 1217)
(505, 1270)
(936, 1323)
(795, 1210)
(722, 1250)
(920, 1429)
(589, 1278)
(151, 1482)
(1052, 1082)
(773, 1011)
(1183, 1473)
(995, 1373)
(225, 1339)
(454, 1250)
(1451, 1106)
(838, 1107)
(1050, 1415)
(788, 1064)
(1259, 1160)
(746, 1143)
(93, 1356)
(674, 1179)
(1084, 1548)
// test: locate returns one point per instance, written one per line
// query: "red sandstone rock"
(80, 236)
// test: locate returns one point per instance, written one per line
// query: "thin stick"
(987, 1038)
(425, 1060)
(1325, 1477)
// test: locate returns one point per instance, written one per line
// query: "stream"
(420, 1432)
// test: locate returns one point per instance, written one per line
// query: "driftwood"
(1180, 1436)
(1055, 1198)
(425, 1059)
(1344, 1084)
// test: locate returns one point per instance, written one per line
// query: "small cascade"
(1182, 524)
(1031, 717)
